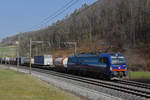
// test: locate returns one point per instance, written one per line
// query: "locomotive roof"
(112, 54)
(94, 55)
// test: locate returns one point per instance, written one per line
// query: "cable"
(62, 11)
(58, 12)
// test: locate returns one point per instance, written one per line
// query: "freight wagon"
(61, 63)
(21, 61)
(13, 61)
(45, 60)
(27, 61)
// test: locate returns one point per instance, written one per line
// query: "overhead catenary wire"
(58, 10)
(67, 9)
(62, 11)
(57, 13)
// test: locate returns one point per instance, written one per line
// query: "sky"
(25, 15)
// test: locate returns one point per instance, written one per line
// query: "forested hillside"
(119, 25)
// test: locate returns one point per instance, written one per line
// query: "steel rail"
(133, 83)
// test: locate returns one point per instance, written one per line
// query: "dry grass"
(19, 86)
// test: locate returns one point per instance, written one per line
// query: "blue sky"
(20, 15)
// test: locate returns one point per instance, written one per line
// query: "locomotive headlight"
(111, 68)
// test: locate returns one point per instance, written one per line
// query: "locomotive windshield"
(118, 60)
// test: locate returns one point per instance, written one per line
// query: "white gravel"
(69, 86)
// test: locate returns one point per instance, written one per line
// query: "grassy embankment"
(8, 51)
(139, 75)
(19, 86)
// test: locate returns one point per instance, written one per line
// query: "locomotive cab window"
(101, 60)
(104, 60)
(118, 60)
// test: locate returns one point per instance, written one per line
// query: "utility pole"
(30, 55)
(1, 54)
(75, 47)
(18, 48)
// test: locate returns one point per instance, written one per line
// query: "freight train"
(105, 65)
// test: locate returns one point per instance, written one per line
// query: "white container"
(43, 60)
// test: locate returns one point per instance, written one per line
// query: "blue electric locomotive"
(105, 65)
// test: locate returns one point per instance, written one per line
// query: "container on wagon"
(45, 60)
(61, 62)
(21, 60)
(27, 61)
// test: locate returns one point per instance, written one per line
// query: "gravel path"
(84, 90)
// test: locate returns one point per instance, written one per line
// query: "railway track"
(133, 83)
(106, 84)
